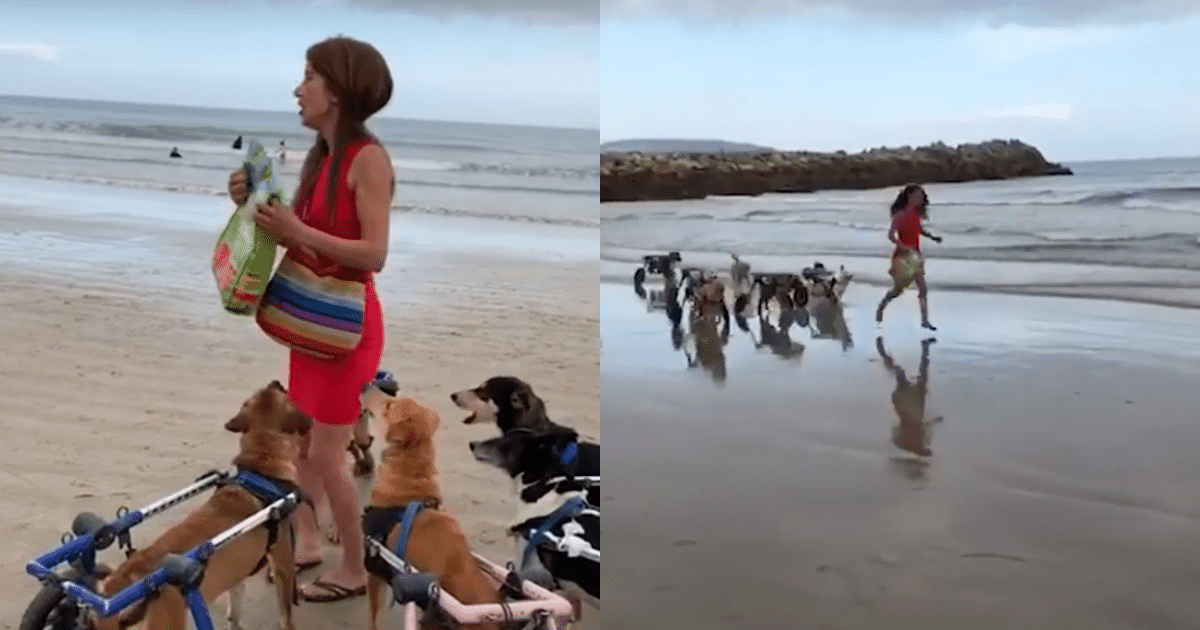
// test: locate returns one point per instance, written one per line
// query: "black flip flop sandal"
(332, 592)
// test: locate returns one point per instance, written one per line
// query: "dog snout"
(454, 396)
(472, 444)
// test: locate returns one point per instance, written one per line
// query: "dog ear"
(237, 424)
(276, 385)
(297, 422)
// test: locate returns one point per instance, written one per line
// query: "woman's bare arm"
(894, 231)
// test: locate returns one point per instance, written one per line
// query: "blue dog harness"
(267, 490)
(570, 508)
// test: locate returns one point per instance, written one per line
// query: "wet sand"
(1060, 491)
(120, 367)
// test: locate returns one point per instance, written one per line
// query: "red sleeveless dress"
(328, 390)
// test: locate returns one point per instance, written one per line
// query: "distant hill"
(679, 146)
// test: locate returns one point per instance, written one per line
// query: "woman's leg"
(308, 537)
(898, 287)
(327, 461)
(923, 299)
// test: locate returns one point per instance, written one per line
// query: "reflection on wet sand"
(706, 333)
(778, 338)
(1061, 495)
(708, 336)
(912, 431)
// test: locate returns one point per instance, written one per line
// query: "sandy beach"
(1060, 492)
(121, 368)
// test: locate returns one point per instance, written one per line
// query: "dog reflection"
(829, 321)
(779, 340)
(709, 334)
(912, 431)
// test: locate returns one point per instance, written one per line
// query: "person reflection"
(911, 433)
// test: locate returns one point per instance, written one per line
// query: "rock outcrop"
(661, 176)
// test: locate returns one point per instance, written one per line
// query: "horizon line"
(281, 111)
(852, 152)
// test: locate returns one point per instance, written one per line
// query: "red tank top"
(342, 221)
(908, 228)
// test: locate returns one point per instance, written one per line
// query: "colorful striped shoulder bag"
(313, 309)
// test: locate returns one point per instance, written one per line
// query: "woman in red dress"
(340, 216)
(908, 264)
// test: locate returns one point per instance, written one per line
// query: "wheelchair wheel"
(51, 609)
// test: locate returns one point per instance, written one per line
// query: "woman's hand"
(279, 220)
(237, 187)
(935, 239)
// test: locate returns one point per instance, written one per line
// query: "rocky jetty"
(660, 176)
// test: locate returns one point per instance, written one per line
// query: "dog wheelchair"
(69, 592)
(536, 608)
(658, 264)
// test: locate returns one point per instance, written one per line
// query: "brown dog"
(267, 420)
(436, 543)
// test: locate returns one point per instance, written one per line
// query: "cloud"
(556, 12)
(44, 52)
(992, 12)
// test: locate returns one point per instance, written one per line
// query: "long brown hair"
(358, 75)
(902, 200)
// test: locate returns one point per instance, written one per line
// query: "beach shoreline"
(1060, 475)
(121, 366)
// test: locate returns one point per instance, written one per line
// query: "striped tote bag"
(314, 310)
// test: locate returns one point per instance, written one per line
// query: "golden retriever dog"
(267, 422)
(436, 544)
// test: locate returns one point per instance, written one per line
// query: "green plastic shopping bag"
(245, 253)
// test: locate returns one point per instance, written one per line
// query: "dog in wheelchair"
(658, 264)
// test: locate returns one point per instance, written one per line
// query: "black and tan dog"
(508, 402)
(549, 471)
(267, 423)
(787, 289)
(661, 264)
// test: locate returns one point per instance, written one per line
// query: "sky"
(1079, 79)
(493, 61)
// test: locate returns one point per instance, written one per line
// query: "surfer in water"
(175, 152)
(908, 264)
(282, 152)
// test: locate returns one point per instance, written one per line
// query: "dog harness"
(267, 490)
(377, 522)
(570, 508)
(569, 458)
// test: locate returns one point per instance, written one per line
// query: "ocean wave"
(1167, 194)
(396, 206)
(212, 140)
(532, 171)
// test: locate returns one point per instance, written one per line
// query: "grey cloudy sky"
(996, 12)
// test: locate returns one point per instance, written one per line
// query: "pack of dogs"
(703, 295)
(550, 465)
(705, 290)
